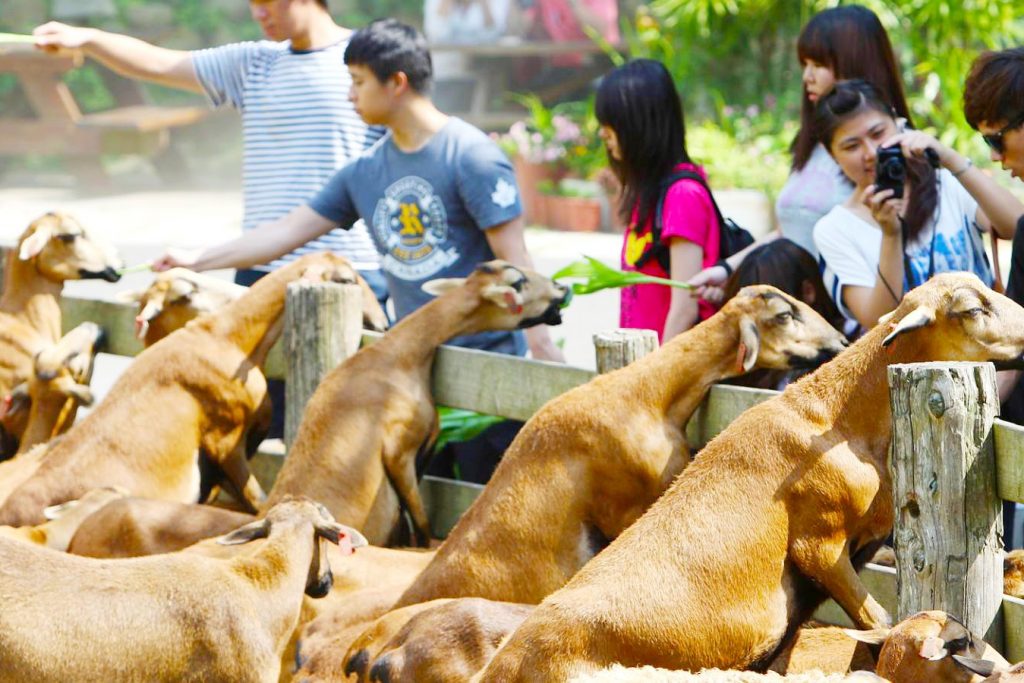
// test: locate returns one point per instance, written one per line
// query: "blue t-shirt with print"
(427, 212)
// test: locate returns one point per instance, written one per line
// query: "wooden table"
(488, 65)
(59, 127)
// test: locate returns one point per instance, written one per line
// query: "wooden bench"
(60, 127)
(488, 65)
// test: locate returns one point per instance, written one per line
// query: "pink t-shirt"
(688, 214)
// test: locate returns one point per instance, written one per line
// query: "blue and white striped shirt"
(298, 127)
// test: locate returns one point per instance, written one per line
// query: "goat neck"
(677, 378)
(49, 415)
(852, 395)
(30, 297)
(278, 567)
(452, 314)
(255, 321)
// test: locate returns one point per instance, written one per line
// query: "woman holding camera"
(905, 220)
(836, 44)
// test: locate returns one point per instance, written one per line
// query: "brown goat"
(354, 449)
(202, 386)
(601, 467)
(927, 647)
(53, 249)
(773, 517)
(125, 528)
(178, 617)
(362, 429)
(175, 297)
(60, 384)
(585, 461)
(64, 519)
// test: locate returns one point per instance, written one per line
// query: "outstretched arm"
(261, 245)
(127, 56)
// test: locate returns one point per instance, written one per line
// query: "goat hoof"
(357, 663)
(381, 670)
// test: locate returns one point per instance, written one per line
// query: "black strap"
(658, 249)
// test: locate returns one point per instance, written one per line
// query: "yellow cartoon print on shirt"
(636, 246)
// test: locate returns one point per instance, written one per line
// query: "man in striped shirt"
(292, 91)
(298, 125)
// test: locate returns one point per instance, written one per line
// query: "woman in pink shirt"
(642, 126)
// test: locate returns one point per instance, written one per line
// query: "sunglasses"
(995, 140)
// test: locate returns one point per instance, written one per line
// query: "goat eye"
(518, 285)
(68, 238)
(784, 317)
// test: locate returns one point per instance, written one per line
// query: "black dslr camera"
(890, 170)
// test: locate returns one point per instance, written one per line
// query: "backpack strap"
(658, 249)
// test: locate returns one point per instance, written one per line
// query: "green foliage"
(597, 276)
(564, 135)
(461, 425)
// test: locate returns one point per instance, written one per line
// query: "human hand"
(885, 209)
(915, 144)
(713, 295)
(706, 282)
(54, 36)
(177, 258)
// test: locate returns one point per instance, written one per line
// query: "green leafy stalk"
(599, 276)
(17, 38)
(139, 268)
(461, 425)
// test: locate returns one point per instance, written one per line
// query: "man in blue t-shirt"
(438, 195)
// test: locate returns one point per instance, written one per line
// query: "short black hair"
(387, 46)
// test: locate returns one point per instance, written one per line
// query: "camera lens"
(894, 169)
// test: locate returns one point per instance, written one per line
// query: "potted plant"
(573, 205)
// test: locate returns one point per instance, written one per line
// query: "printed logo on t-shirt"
(636, 246)
(411, 226)
(504, 194)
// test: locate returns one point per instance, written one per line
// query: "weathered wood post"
(618, 348)
(323, 323)
(948, 525)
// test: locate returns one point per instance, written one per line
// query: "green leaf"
(17, 38)
(461, 425)
(599, 276)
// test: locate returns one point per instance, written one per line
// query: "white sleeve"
(842, 258)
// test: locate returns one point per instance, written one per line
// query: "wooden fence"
(515, 388)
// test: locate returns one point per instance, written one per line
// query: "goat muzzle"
(108, 274)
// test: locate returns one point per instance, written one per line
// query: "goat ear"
(57, 511)
(504, 296)
(933, 649)
(875, 636)
(34, 243)
(886, 317)
(982, 667)
(341, 535)
(250, 532)
(922, 316)
(441, 285)
(750, 344)
(180, 289)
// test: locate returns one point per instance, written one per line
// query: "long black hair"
(639, 101)
(847, 100)
(852, 42)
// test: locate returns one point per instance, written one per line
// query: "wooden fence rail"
(515, 388)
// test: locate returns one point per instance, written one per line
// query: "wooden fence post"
(948, 524)
(323, 324)
(619, 348)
